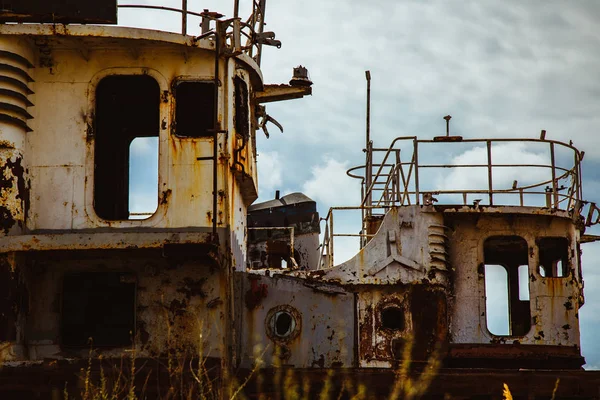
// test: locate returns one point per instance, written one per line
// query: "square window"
(194, 108)
(100, 306)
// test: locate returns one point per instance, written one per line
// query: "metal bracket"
(267, 38)
(261, 112)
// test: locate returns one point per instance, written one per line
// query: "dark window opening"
(283, 324)
(242, 125)
(554, 257)
(126, 147)
(392, 318)
(100, 306)
(194, 109)
(507, 286)
(278, 254)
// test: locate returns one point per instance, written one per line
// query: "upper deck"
(80, 104)
(452, 174)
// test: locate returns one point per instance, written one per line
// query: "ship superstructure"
(202, 273)
(81, 267)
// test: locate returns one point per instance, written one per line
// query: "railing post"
(362, 208)
(579, 177)
(489, 167)
(369, 178)
(416, 158)
(397, 177)
(261, 28)
(521, 197)
(184, 17)
(554, 186)
(576, 177)
(331, 239)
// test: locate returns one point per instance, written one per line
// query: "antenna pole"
(368, 76)
(368, 149)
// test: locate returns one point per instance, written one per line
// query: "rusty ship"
(208, 274)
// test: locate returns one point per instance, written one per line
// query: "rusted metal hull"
(154, 380)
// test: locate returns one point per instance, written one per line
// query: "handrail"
(394, 187)
(327, 245)
(251, 29)
(388, 182)
(183, 11)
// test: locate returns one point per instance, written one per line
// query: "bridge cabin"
(127, 165)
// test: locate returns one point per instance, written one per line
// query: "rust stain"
(193, 287)
(12, 175)
(164, 196)
(398, 314)
(257, 292)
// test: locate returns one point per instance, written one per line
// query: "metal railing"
(389, 181)
(329, 235)
(234, 30)
(395, 182)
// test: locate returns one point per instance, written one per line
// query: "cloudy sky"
(501, 69)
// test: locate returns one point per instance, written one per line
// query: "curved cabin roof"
(287, 200)
(86, 36)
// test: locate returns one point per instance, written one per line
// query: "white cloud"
(505, 153)
(329, 184)
(269, 173)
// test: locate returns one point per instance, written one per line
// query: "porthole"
(392, 318)
(283, 323)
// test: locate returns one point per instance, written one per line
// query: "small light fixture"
(300, 77)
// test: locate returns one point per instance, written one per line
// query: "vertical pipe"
(554, 188)
(261, 27)
(292, 244)
(215, 126)
(416, 158)
(236, 9)
(356, 332)
(184, 17)
(489, 167)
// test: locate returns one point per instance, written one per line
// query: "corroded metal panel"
(394, 321)
(323, 333)
(180, 306)
(408, 248)
(554, 300)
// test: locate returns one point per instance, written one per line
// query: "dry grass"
(191, 379)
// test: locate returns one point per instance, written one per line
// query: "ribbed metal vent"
(14, 89)
(437, 247)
